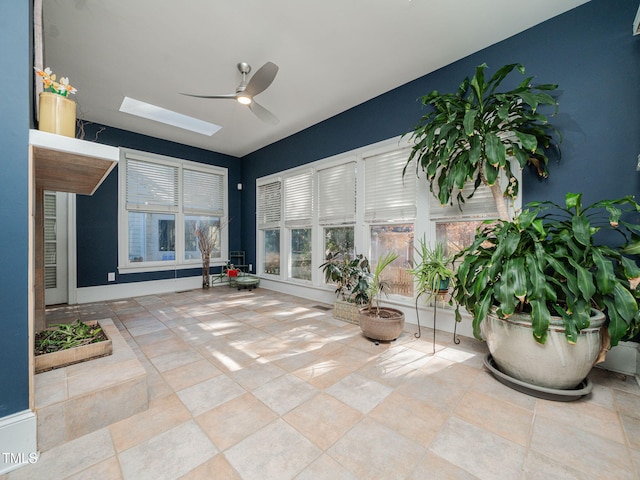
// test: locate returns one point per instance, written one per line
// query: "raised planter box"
(62, 358)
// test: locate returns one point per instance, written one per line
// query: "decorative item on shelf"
(57, 112)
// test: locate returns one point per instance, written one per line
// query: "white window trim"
(124, 265)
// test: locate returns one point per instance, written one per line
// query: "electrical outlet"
(111, 277)
(250, 267)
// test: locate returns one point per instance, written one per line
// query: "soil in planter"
(64, 336)
(383, 313)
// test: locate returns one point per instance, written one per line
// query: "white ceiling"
(332, 54)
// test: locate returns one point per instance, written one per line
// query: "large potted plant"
(539, 288)
(376, 322)
(349, 277)
(476, 133)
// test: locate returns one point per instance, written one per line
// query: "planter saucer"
(584, 388)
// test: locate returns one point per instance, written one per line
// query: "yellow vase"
(57, 114)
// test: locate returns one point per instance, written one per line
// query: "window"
(161, 201)
(390, 209)
(358, 202)
(456, 228)
(298, 216)
(269, 206)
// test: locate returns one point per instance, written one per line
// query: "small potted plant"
(348, 275)
(433, 272)
(538, 288)
(376, 322)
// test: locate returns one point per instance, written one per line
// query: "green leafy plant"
(474, 134)
(64, 336)
(547, 262)
(375, 285)
(349, 276)
(433, 270)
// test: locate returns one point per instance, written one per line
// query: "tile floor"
(261, 385)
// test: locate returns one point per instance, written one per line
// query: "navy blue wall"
(97, 215)
(15, 105)
(589, 52)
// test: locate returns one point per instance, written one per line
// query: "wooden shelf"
(65, 164)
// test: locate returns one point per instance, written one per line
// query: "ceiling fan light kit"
(245, 92)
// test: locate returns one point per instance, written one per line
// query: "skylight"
(162, 115)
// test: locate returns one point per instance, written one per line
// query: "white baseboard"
(137, 289)
(623, 358)
(18, 440)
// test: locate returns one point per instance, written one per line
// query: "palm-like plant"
(477, 132)
(376, 286)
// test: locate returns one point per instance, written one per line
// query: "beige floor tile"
(206, 395)
(632, 431)
(218, 468)
(69, 458)
(256, 375)
(571, 446)
(412, 418)
(589, 416)
(275, 452)
(190, 374)
(169, 361)
(106, 470)
(235, 420)
(325, 468)
(168, 455)
(360, 392)
(441, 395)
(173, 344)
(433, 467)
(323, 419)
(539, 467)
(487, 384)
(627, 403)
(478, 451)
(371, 450)
(284, 393)
(505, 419)
(162, 415)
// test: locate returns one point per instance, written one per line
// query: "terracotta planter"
(387, 326)
(62, 358)
(557, 364)
(57, 114)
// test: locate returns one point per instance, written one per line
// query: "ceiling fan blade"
(261, 79)
(262, 113)
(231, 95)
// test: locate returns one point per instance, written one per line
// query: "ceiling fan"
(245, 92)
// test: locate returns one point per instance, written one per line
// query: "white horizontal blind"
(480, 206)
(298, 200)
(388, 196)
(203, 192)
(151, 184)
(337, 194)
(269, 204)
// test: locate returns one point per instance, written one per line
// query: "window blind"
(269, 204)
(480, 206)
(298, 200)
(337, 194)
(388, 196)
(203, 192)
(151, 184)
